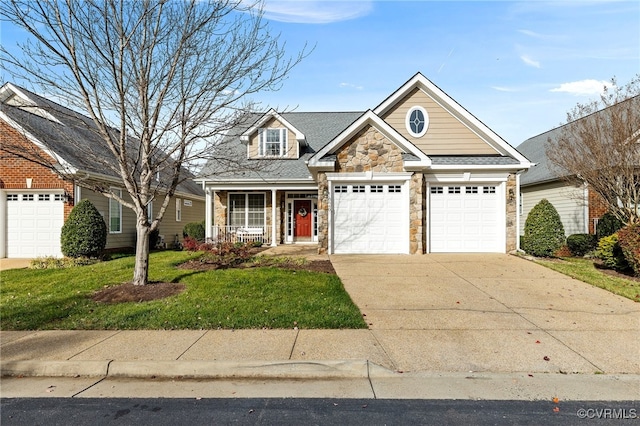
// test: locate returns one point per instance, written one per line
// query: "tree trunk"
(141, 270)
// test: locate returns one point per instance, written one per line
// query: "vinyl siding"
(568, 201)
(292, 142)
(168, 227)
(446, 135)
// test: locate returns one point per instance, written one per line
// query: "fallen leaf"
(546, 358)
(364, 406)
(250, 411)
(556, 409)
(530, 375)
(537, 341)
(556, 400)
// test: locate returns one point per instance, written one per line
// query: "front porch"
(272, 217)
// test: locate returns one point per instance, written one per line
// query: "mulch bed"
(324, 266)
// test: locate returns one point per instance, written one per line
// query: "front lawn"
(585, 270)
(227, 298)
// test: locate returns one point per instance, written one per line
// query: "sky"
(519, 67)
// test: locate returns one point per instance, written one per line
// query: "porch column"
(273, 218)
(208, 214)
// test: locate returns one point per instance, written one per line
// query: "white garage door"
(34, 222)
(467, 219)
(370, 218)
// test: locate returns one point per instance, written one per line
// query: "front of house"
(417, 174)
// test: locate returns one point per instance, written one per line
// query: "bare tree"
(160, 80)
(600, 145)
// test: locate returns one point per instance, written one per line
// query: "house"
(35, 201)
(416, 174)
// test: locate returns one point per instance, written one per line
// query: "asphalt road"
(272, 411)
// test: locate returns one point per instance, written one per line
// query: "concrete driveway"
(490, 312)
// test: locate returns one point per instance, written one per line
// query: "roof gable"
(324, 157)
(268, 116)
(467, 121)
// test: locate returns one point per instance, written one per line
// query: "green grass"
(230, 298)
(584, 270)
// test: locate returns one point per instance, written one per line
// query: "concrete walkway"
(460, 326)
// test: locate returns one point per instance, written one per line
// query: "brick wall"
(14, 170)
(597, 208)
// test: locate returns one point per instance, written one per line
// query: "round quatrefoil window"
(417, 121)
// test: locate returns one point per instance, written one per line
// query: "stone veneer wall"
(370, 150)
(512, 212)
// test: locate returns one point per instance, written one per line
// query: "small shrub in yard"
(608, 224)
(51, 262)
(629, 241)
(610, 252)
(84, 234)
(581, 244)
(194, 230)
(543, 230)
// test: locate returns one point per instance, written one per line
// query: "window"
(272, 142)
(471, 190)
(437, 190)
(489, 190)
(246, 210)
(395, 188)
(454, 190)
(44, 197)
(340, 188)
(178, 209)
(358, 188)
(58, 197)
(417, 121)
(12, 197)
(27, 197)
(115, 213)
(376, 188)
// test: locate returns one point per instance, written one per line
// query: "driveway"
(490, 312)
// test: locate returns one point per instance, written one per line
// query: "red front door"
(302, 210)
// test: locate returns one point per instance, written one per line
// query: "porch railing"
(242, 234)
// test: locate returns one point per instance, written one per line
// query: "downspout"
(518, 212)
(587, 219)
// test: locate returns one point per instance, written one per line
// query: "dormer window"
(417, 121)
(272, 142)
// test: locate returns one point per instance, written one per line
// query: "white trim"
(273, 218)
(288, 205)
(118, 192)
(208, 212)
(178, 210)
(369, 176)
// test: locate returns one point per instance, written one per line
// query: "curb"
(345, 369)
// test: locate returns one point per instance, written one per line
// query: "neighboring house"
(35, 202)
(578, 207)
(417, 174)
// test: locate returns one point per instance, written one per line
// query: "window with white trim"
(377, 188)
(340, 188)
(395, 188)
(437, 190)
(358, 188)
(247, 210)
(272, 142)
(12, 197)
(454, 190)
(27, 197)
(489, 190)
(44, 197)
(471, 190)
(417, 121)
(115, 213)
(178, 209)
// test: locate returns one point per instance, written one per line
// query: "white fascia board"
(511, 167)
(369, 176)
(272, 113)
(9, 88)
(369, 118)
(284, 186)
(449, 104)
(461, 177)
(64, 164)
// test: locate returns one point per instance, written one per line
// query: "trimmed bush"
(194, 230)
(629, 241)
(608, 224)
(543, 230)
(611, 253)
(84, 234)
(581, 244)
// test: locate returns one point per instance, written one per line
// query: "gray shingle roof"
(319, 129)
(534, 149)
(472, 160)
(78, 128)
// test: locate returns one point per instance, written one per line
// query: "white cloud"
(504, 89)
(583, 87)
(315, 12)
(529, 61)
(351, 86)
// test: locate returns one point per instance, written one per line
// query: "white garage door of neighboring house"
(370, 218)
(467, 219)
(34, 222)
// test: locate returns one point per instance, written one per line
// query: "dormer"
(272, 136)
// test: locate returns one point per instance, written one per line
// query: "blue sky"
(517, 66)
